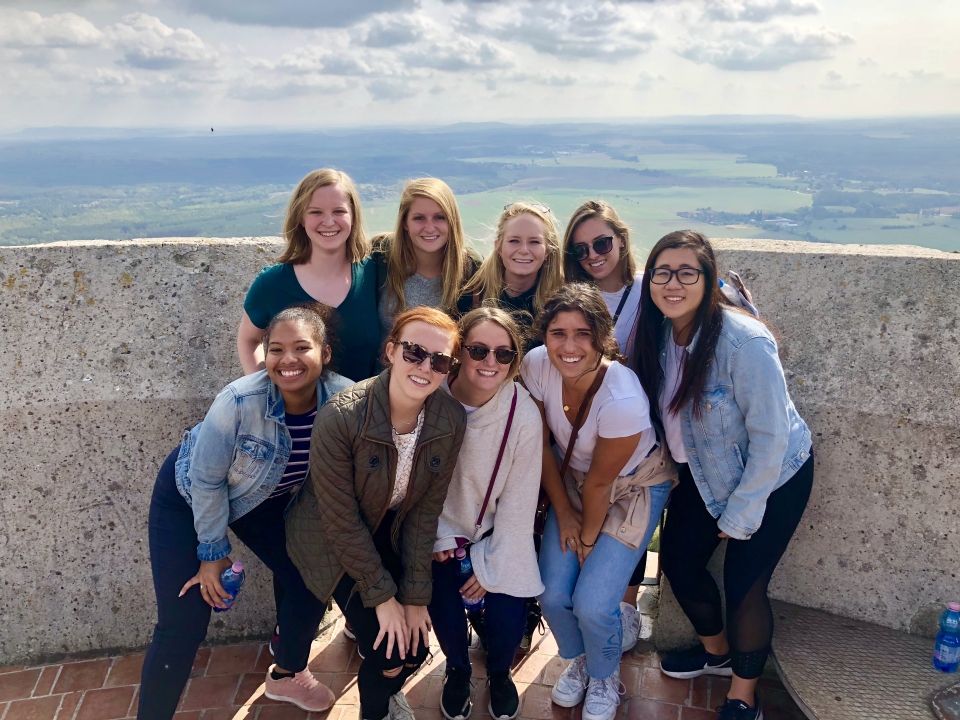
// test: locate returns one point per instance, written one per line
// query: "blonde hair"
(401, 259)
(298, 247)
(488, 281)
(603, 211)
(504, 320)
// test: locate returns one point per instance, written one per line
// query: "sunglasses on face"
(601, 246)
(504, 356)
(416, 354)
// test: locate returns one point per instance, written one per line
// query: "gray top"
(417, 290)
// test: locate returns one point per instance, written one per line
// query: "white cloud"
(758, 11)
(389, 90)
(295, 13)
(769, 49)
(64, 30)
(147, 43)
(261, 88)
(457, 55)
(836, 81)
(392, 30)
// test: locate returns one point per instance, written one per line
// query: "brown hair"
(298, 247)
(603, 211)
(502, 319)
(585, 299)
(401, 260)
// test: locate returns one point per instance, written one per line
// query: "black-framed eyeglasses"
(601, 246)
(685, 275)
(504, 356)
(416, 354)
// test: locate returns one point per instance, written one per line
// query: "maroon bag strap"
(496, 465)
(581, 417)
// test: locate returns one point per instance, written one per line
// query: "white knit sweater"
(505, 562)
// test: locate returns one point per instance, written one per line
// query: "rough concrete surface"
(108, 351)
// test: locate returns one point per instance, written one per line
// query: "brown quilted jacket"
(353, 464)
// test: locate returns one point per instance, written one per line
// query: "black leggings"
(375, 688)
(689, 539)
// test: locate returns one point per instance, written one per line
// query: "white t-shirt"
(628, 315)
(619, 409)
(671, 421)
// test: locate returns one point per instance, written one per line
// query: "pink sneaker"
(303, 690)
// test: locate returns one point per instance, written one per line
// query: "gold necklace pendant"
(566, 408)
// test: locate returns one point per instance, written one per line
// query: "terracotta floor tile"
(199, 668)
(643, 709)
(86, 675)
(424, 691)
(286, 711)
(125, 671)
(232, 659)
(42, 708)
(189, 715)
(11, 668)
(18, 684)
(334, 658)
(229, 713)
(632, 678)
(535, 702)
(69, 705)
(210, 692)
(657, 686)
(105, 704)
(250, 690)
(264, 660)
(48, 676)
(692, 713)
(700, 692)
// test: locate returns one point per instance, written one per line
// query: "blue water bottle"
(232, 580)
(466, 571)
(946, 648)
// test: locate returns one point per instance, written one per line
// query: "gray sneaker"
(603, 697)
(571, 686)
(630, 624)
(399, 708)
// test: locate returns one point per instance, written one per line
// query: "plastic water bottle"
(232, 580)
(946, 648)
(466, 571)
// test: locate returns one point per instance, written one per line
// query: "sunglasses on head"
(504, 356)
(416, 354)
(601, 246)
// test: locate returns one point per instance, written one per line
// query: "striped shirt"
(300, 428)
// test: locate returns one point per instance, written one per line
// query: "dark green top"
(356, 350)
(520, 306)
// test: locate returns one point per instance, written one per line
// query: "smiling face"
(523, 248)
(603, 269)
(570, 344)
(328, 219)
(676, 301)
(414, 382)
(294, 359)
(487, 375)
(427, 226)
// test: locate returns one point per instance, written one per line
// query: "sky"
(316, 63)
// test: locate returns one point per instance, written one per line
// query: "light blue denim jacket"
(231, 462)
(749, 439)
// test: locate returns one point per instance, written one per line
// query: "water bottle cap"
(238, 566)
(955, 606)
(459, 553)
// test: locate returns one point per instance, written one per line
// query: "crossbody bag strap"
(496, 465)
(623, 301)
(581, 416)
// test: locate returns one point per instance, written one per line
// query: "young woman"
(489, 511)
(362, 530)
(596, 248)
(524, 268)
(323, 261)
(238, 468)
(745, 458)
(606, 494)
(426, 261)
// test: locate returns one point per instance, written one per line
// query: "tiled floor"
(226, 684)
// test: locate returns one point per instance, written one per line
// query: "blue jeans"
(505, 620)
(582, 605)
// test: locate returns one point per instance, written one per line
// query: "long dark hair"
(707, 323)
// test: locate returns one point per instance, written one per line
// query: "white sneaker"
(571, 686)
(603, 697)
(399, 708)
(630, 624)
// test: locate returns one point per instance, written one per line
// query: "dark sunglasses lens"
(603, 245)
(413, 353)
(504, 356)
(580, 251)
(477, 353)
(441, 363)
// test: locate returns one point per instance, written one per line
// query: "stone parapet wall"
(108, 351)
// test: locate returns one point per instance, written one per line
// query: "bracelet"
(585, 544)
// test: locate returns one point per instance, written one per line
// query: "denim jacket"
(749, 439)
(231, 462)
